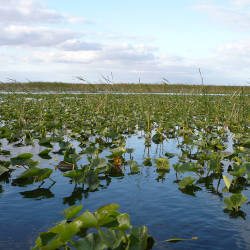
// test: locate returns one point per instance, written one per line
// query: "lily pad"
(186, 182)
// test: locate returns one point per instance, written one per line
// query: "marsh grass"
(110, 86)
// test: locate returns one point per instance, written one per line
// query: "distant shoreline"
(122, 88)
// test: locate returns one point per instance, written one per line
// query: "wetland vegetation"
(119, 87)
(193, 145)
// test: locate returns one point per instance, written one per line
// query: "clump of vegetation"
(73, 231)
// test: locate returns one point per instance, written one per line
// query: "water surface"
(149, 198)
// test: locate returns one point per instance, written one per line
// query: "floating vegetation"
(119, 233)
(85, 137)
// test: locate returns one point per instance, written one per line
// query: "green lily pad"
(235, 201)
(186, 182)
(162, 163)
(72, 212)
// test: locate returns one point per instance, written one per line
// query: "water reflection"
(38, 194)
(150, 177)
(235, 214)
(190, 190)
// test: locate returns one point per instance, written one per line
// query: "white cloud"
(66, 57)
(30, 12)
(234, 15)
(128, 53)
(78, 45)
(30, 49)
(34, 36)
(235, 56)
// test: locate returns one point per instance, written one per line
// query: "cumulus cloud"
(125, 53)
(41, 52)
(66, 57)
(30, 12)
(34, 36)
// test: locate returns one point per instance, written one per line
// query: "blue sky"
(52, 40)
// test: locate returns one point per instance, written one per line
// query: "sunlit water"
(149, 200)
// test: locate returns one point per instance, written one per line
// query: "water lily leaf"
(87, 220)
(38, 174)
(130, 150)
(238, 170)
(5, 164)
(186, 181)
(65, 166)
(132, 163)
(175, 240)
(109, 207)
(46, 142)
(45, 153)
(135, 170)
(72, 212)
(138, 238)
(107, 218)
(24, 156)
(124, 222)
(147, 162)
(227, 181)
(3, 170)
(63, 145)
(92, 181)
(248, 170)
(158, 138)
(111, 238)
(51, 239)
(235, 201)
(162, 163)
(91, 150)
(179, 239)
(246, 144)
(4, 152)
(24, 159)
(46, 238)
(71, 156)
(119, 150)
(187, 167)
(29, 173)
(215, 163)
(90, 242)
(169, 155)
(67, 230)
(99, 162)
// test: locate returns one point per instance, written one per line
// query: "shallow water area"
(164, 156)
(150, 198)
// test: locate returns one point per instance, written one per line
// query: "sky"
(61, 40)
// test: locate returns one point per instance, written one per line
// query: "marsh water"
(149, 197)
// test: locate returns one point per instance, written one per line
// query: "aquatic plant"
(73, 231)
